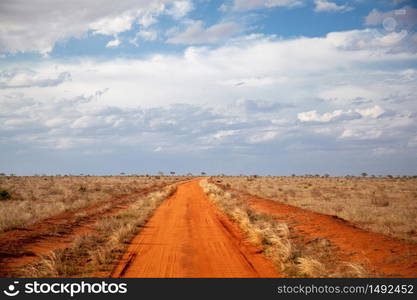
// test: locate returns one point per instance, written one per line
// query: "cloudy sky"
(229, 86)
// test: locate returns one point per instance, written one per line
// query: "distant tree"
(203, 173)
(161, 173)
(172, 173)
(364, 174)
(2, 174)
(293, 175)
(123, 173)
(326, 175)
(390, 176)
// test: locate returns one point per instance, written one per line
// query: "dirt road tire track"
(21, 246)
(189, 237)
(386, 256)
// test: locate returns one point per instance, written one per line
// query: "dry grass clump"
(382, 205)
(260, 229)
(96, 252)
(311, 266)
(32, 199)
(274, 238)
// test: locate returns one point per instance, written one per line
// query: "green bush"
(5, 195)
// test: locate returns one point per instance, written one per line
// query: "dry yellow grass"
(95, 252)
(382, 205)
(274, 238)
(34, 198)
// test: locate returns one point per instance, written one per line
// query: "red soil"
(189, 237)
(386, 256)
(21, 246)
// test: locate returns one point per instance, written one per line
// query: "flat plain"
(185, 226)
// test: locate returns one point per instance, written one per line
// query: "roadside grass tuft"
(275, 240)
(36, 198)
(99, 250)
(381, 205)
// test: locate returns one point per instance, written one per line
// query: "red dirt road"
(386, 256)
(189, 237)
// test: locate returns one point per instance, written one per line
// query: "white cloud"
(346, 94)
(38, 27)
(113, 43)
(340, 115)
(252, 96)
(224, 133)
(379, 41)
(179, 9)
(195, 33)
(146, 35)
(361, 134)
(313, 116)
(260, 106)
(259, 68)
(242, 5)
(409, 74)
(25, 78)
(328, 6)
(262, 137)
(373, 112)
(256, 81)
(112, 25)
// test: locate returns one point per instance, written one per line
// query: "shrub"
(5, 195)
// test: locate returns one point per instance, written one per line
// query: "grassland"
(381, 205)
(93, 254)
(35, 198)
(73, 226)
(274, 238)
(82, 226)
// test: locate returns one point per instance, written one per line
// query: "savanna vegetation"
(313, 259)
(383, 205)
(94, 253)
(30, 199)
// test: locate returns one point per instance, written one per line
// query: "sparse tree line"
(159, 173)
(173, 173)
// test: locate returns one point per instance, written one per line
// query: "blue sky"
(236, 87)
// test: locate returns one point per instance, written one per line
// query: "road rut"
(189, 237)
